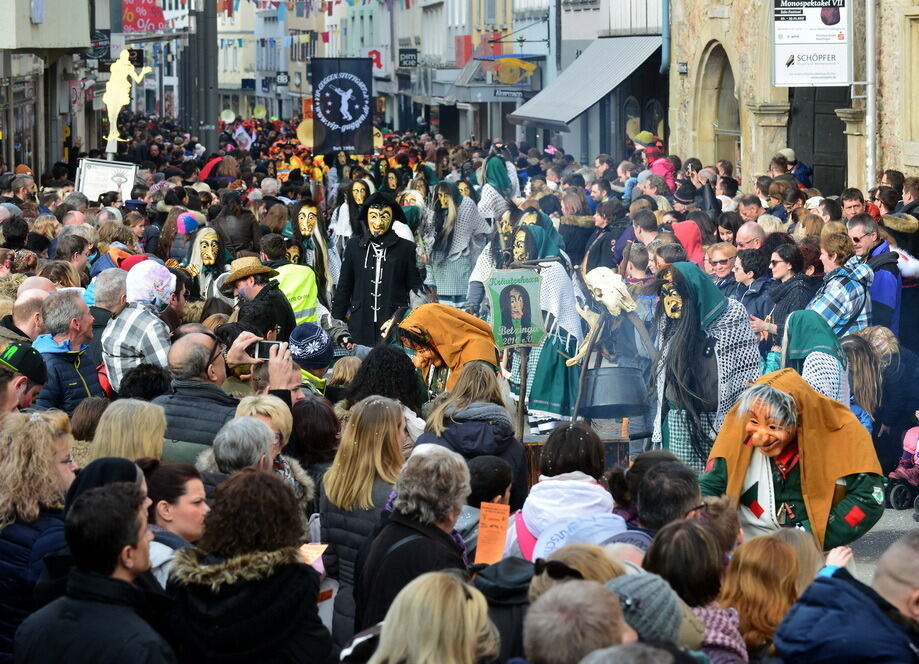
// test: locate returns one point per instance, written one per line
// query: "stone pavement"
(869, 548)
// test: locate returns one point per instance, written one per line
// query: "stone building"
(723, 104)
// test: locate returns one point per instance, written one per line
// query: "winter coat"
(788, 296)
(803, 173)
(72, 376)
(188, 431)
(9, 333)
(505, 585)
(22, 547)
(97, 621)
(256, 607)
(727, 286)
(163, 549)
(240, 233)
(886, 287)
(757, 297)
(356, 296)
(666, 168)
(560, 497)
(345, 532)
(839, 620)
(598, 252)
(404, 550)
(101, 317)
(485, 429)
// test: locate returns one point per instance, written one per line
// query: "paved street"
(870, 547)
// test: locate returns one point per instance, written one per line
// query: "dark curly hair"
(570, 447)
(387, 372)
(252, 511)
(145, 382)
(316, 431)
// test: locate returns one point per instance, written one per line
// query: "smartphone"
(261, 349)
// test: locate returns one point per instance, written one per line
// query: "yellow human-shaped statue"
(118, 90)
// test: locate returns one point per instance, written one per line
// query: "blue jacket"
(756, 298)
(840, 620)
(71, 376)
(803, 173)
(22, 547)
(886, 287)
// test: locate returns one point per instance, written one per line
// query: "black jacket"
(345, 532)
(787, 297)
(599, 250)
(404, 550)
(258, 607)
(195, 412)
(240, 233)
(281, 306)
(485, 429)
(356, 295)
(101, 317)
(97, 621)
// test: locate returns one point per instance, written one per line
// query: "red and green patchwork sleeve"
(714, 481)
(855, 514)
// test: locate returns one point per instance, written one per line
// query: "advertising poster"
(812, 43)
(516, 319)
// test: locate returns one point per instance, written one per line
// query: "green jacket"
(850, 518)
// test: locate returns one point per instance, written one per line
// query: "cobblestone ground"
(869, 548)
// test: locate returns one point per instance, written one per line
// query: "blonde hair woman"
(353, 493)
(475, 411)
(131, 429)
(590, 562)
(437, 618)
(275, 413)
(37, 470)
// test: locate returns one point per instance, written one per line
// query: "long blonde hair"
(437, 618)
(477, 382)
(131, 429)
(370, 448)
(28, 445)
(865, 372)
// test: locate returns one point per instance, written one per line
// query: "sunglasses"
(556, 569)
(774, 263)
(724, 261)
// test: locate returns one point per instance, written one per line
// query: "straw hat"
(245, 267)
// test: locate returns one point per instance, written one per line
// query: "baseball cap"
(22, 358)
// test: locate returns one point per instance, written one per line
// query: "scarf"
(832, 444)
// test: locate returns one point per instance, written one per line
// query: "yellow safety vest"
(298, 283)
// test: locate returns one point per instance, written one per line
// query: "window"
(654, 118)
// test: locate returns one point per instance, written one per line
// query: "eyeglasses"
(858, 240)
(556, 569)
(774, 263)
(743, 244)
(723, 261)
(694, 509)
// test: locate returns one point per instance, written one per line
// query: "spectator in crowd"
(37, 468)
(98, 618)
(430, 493)
(22, 376)
(573, 561)
(110, 298)
(138, 335)
(71, 375)
(250, 281)
(844, 299)
(243, 442)
(473, 420)
(315, 438)
(131, 429)
(750, 236)
(818, 627)
(25, 324)
(176, 514)
(437, 617)
(354, 492)
(874, 250)
(754, 283)
(669, 491)
(245, 588)
(570, 621)
(853, 203)
(145, 382)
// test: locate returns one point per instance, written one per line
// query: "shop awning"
(605, 64)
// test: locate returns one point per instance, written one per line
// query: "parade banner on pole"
(342, 118)
(516, 319)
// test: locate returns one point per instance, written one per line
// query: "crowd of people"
(266, 408)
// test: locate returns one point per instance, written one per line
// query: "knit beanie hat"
(311, 347)
(649, 605)
(644, 138)
(150, 282)
(186, 223)
(685, 193)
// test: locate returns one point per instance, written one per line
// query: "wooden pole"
(522, 401)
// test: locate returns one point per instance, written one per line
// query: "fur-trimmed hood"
(579, 220)
(192, 566)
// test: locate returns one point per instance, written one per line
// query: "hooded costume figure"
(791, 457)
(495, 188)
(378, 272)
(444, 339)
(346, 218)
(453, 238)
(309, 235)
(708, 356)
(206, 261)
